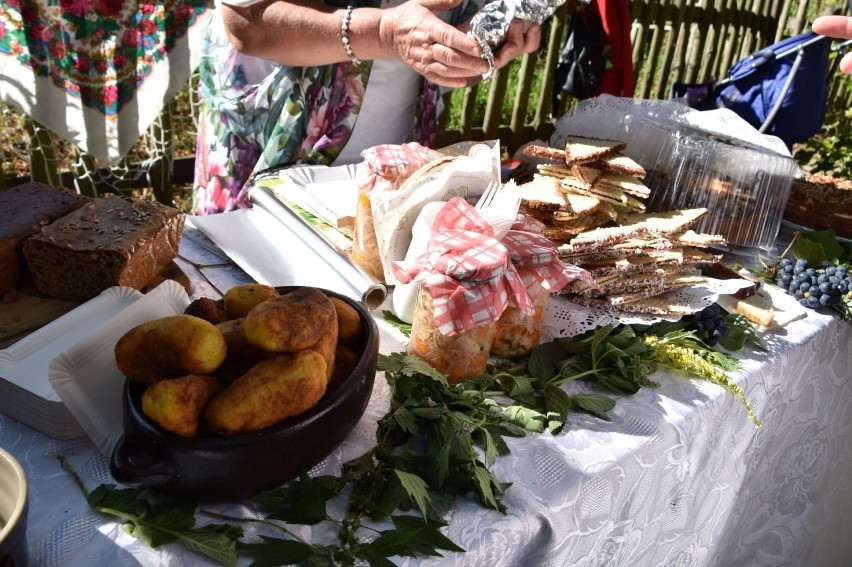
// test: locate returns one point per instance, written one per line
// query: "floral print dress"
(256, 114)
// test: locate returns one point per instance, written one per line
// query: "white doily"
(565, 318)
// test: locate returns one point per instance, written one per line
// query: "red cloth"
(537, 261)
(618, 79)
(387, 166)
(466, 270)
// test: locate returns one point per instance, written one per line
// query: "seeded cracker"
(580, 150)
(542, 194)
(544, 152)
(620, 163)
(626, 183)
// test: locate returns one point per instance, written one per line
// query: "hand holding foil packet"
(490, 25)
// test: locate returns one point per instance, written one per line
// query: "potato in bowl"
(226, 463)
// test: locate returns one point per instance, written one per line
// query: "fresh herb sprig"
(161, 521)
(437, 442)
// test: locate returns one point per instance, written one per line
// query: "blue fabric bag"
(781, 90)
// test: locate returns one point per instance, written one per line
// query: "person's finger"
(517, 42)
(846, 64)
(458, 63)
(455, 39)
(532, 38)
(839, 27)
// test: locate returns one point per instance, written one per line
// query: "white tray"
(85, 376)
(25, 392)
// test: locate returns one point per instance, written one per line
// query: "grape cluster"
(708, 324)
(814, 288)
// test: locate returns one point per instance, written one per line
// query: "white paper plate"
(85, 376)
(25, 392)
(328, 192)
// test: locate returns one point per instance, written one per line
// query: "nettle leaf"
(416, 488)
(741, 332)
(442, 463)
(557, 401)
(428, 532)
(594, 404)
(163, 522)
(434, 412)
(720, 359)
(575, 367)
(217, 544)
(301, 501)
(409, 365)
(496, 434)
(394, 321)
(618, 384)
(517, 386)
(599, 335)
(405, 420)
(277, 551)
(544, 359)
(489, 447)
(529, 419)
(125, 500)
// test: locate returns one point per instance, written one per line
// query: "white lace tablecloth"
(680, 477)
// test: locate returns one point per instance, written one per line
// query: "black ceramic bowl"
(226, 468)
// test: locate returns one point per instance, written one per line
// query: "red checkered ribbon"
(528, 223)
(537, 261)
(387, 166)
(466, 270)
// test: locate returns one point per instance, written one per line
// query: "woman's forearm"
(302, 32)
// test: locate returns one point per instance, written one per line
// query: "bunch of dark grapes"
(814, 288)
(708, 324)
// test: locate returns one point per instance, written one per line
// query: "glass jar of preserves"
(460, 355)
(542, 272)
(517, 333)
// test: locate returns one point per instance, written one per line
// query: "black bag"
(583, 59)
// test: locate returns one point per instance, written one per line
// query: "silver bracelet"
(344, 34)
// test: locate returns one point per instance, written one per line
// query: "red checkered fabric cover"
(387, 166)
(537, 261)
(466, 270)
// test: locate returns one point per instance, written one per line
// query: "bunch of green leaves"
(160, 521)
(829, 150)
(437, 442)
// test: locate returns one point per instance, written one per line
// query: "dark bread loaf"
(115, 241)
(23, 210)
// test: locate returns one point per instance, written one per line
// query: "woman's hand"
(438, 51)
(517, 43)
(839, 27)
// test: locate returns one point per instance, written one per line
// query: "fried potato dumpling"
(345, 361)
(242, 355)
(348, 322)
(241, 299)
(283, 386)
(290, 322)
(176, 404)
(170, 347)
(207, 309)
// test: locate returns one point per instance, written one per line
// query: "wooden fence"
(672, 41)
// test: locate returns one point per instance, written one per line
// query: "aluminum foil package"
(490, 25)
